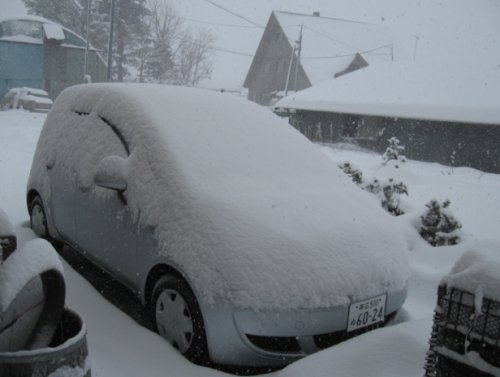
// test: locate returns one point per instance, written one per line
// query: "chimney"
(316, 14)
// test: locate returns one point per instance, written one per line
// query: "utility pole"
(110, 45)
(299, 48)
(85, 68)
(289, 70)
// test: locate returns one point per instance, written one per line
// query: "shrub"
(355, 174)
(389, 194)
(438, 226)
(394, 152)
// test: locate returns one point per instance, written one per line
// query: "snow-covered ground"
(121, 347)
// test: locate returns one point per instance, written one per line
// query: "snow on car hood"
(251, 211)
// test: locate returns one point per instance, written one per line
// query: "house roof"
(329, 45)
(408, 90)
(51, 30)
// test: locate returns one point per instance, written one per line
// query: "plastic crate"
(459, 328)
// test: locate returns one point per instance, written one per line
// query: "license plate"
(367, 312)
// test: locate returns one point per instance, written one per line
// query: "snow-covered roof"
(408, 90)
(51, 30)
(26, 17)
(241, 200)
(329, 44)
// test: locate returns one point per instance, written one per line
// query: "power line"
(333, 39)
(358, 50)
(370, 51)
(219, 24)
(233, 13)
(230, 51)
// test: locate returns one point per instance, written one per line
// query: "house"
(38, 53)
(439, 115)
(323, 47)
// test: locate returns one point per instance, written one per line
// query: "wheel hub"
(38, 220)
(174, 320)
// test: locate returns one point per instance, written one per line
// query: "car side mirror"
(112, 173)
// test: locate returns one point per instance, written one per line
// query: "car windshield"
(36, 94)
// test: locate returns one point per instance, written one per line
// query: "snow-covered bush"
(438, 226)
(353, 172)
(389, 193)
(394, 152)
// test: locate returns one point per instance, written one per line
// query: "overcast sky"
(12, 8)
(445, 31)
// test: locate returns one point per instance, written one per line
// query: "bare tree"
(194, 57)
(166, 28)
(150, 36)
(176, 54)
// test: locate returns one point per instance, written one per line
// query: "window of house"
(28, 28)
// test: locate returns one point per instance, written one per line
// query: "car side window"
(98, 139)
(118, 134)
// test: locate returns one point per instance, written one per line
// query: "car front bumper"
(276, 338)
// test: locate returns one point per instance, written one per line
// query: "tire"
(38, 219)
(177, 317)
(38, 222)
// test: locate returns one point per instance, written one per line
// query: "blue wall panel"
(21, 64)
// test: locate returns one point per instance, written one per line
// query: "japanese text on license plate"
(366, 313)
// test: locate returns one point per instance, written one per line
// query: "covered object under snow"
(150, 179)
(238, 198)
(465, 339)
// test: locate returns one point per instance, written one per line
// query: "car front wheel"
(38, 220)
(177, 318)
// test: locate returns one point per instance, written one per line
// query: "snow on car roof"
(36, 91)
(255, 214)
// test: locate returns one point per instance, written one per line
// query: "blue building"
(38, 53)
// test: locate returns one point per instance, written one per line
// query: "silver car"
(249, 246)
(31, 99)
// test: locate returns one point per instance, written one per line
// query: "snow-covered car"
(36, 100)
(8, 100)
(246, 242)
